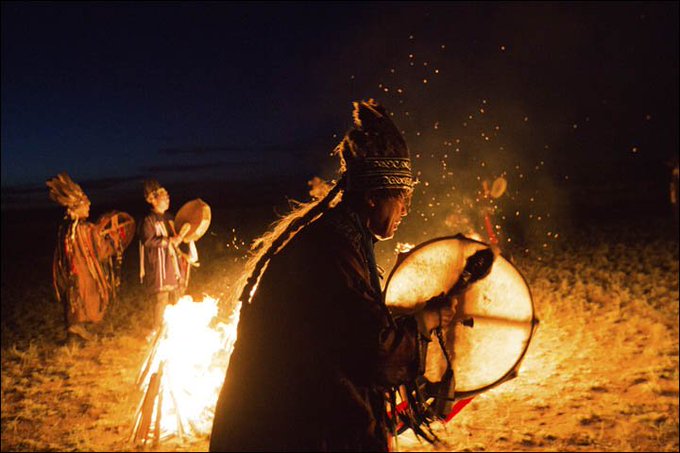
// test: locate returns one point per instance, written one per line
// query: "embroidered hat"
(373, 154)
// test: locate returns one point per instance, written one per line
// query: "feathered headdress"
(66, 192)
(373, 153)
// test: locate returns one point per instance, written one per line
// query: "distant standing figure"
(159, 255)
(82, 275)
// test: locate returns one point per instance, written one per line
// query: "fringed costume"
(82, 279)
(82, 275)
(162, 268)
(159, 262)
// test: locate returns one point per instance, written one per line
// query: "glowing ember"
(189, 358)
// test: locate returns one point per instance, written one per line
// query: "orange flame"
(193, 352)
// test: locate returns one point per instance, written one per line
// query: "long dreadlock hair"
(282, 231)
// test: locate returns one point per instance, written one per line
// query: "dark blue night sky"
(115, 92)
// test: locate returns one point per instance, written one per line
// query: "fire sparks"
(184, 371)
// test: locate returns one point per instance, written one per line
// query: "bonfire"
(183, 372)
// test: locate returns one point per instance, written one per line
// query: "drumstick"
(184, 230)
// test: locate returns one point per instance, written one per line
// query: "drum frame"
(514, 370)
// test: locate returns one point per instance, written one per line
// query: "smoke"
(461, 139)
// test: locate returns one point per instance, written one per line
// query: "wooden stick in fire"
(159, 405)
(141, 430)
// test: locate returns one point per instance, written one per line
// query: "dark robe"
(315, 349)
(82, 274)
(160, 263)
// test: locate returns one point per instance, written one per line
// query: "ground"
(601, 373)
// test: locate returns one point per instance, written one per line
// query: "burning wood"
(183, 372)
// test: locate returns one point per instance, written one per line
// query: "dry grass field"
(601, 373)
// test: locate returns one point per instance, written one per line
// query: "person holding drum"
(83, 277)
(160, 267)
(317, 349)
